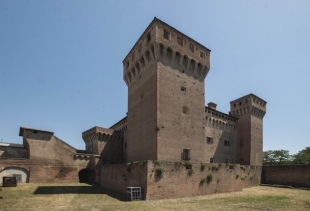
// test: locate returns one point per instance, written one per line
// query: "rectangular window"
(180, 41)
(191, 47)
(226, 143)
(148, 37)
(133, 56)
(209, 140)
(186, 154)
(166, 34)
(211, 160)
(202, 55)
(226, 160)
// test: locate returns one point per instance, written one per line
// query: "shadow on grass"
(82, 189)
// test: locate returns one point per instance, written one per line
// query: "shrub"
(202, 166)
(159, 172)
(156, 162)
(215, 168)
(190, 172)
(209, 178)
(202, 181)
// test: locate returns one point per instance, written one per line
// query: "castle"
(167, 121)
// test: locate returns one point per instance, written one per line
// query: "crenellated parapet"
(96, 134)
(101, 134)
(120, 125)
(218, 120)
(249, 104)
(163, 43)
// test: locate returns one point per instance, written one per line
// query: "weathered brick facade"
(167, 120)
(177, 180)
(44, 158)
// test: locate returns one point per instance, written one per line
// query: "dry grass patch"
(86, 197)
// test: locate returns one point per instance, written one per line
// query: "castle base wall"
(162, 179)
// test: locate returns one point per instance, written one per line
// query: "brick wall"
(176, 180)
(293, 175)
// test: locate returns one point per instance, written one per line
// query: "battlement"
(249, 104)
(218, 120)
(163, 43)
(120, 125)
(100, 134)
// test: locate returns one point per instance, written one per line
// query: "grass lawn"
(86, 197)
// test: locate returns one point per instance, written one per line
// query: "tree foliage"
(276, 157)
(302, 157)
(282, 157)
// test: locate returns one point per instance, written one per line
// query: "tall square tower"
(165, 72)
(250, 111)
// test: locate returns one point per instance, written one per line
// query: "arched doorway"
(21, 174)
(87, 176)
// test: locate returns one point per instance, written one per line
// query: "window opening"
(166, 34)
(191, 47)
(209, 140)
(226, 143)
(148, 37)
(211, 160)
(186, 154)
(202, 55)
(180, 41)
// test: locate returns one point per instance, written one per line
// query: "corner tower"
(250, 111)
(165, 72)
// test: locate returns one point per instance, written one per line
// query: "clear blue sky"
(61, 61)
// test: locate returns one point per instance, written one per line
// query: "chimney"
(212, 105)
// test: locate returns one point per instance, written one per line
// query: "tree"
(276, 157)
(302, 157)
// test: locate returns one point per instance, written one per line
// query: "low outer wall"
(176, 181)
(293, 175)
(118, 177)
(45, 172)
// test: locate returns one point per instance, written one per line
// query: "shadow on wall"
(90, 189)
(225, 149)
(87, 176)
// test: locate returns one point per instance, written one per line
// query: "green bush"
(156, 162)
(190, 172)
(202, 181)
(159, 171)
(209, 178)
(202, 166)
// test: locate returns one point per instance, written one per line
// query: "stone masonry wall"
(293, 175)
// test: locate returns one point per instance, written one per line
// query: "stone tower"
(250, 111)
(165, 72)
